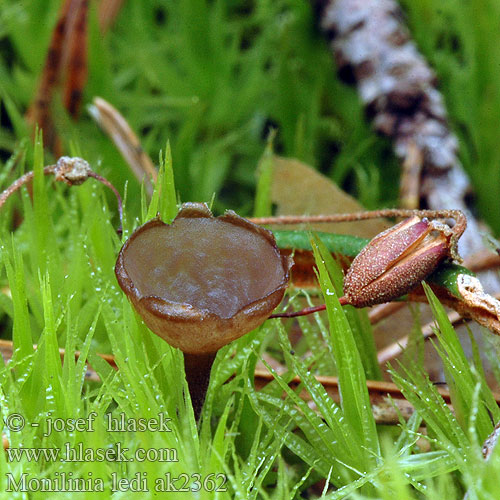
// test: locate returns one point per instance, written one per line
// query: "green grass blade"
(461, 380)
(352, 380)
(168, 198)
(423, 395)
(357, 318)
(21, 334)
(263, 205)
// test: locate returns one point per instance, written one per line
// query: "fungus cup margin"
(200, 331)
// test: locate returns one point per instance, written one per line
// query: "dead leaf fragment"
(490, 442)
(299, 189)
(481, 306)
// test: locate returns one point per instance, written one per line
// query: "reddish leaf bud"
(202, 281)
(396, 261)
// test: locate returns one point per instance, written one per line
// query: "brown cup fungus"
(202, 282)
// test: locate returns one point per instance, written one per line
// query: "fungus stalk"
(198, 368)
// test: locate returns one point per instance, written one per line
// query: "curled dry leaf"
(298, 188)
(481, 306)
(475, 304)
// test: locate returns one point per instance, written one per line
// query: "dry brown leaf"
(299, 189)
(491, 441)
(474, 302)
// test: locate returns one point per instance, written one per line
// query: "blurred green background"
(214, 77)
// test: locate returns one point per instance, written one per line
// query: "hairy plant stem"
(456, 231)
(108, 184)
(457, 215)
(71, 171)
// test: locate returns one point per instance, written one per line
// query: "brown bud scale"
(395, 262)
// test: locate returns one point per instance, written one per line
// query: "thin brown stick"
(17, 184)
(120, 132)
(382, 311)
(457, 215)
(396, 348)
(302, 312)
(306, 310)
(107, 13)
(7, 349)
(384, 411)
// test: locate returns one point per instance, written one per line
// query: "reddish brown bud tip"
(395, 262)
(202, 281)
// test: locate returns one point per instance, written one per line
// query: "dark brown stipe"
(198, 368)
